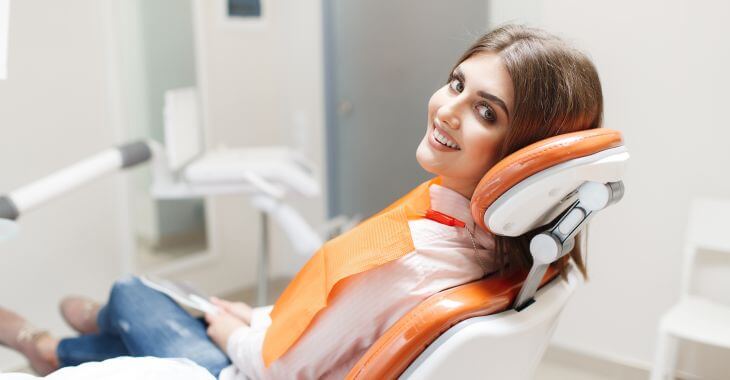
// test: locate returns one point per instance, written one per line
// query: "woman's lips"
(437, 145)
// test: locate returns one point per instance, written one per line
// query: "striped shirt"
(372, 301)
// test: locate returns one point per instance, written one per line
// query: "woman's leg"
(35, 344)
(89, 348)
(151, 324)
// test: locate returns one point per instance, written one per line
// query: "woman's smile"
(441, 140)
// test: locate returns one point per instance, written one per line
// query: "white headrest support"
(534, 185)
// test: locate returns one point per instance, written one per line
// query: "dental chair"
(499, 327)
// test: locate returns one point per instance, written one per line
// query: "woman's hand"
(221, 326)
(238, 309)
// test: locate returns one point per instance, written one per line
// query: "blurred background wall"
(55, 108)
(384, 59)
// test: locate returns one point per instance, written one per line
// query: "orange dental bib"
(382, 238)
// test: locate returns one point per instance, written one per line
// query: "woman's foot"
(38, 346)
(80, 313)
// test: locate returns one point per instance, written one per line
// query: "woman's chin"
(429, 160)
(429, 169)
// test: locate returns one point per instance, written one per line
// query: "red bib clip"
(444, 219)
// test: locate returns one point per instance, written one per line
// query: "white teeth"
(444, 140)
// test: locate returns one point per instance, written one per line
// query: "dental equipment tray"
(277, 164)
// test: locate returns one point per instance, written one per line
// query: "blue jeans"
(139, 321)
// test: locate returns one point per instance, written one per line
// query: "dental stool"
(499, 327)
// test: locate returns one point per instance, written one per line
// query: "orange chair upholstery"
(407, 338)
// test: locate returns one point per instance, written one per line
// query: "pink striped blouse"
(372, 301)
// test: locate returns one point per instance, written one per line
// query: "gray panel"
(384, 60)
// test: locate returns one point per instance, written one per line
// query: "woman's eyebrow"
(495, 99)
(460, 75)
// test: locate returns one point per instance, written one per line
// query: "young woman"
(513, 87)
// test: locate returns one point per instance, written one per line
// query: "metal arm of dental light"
(559, 239)
(31, 196)
(22, 200)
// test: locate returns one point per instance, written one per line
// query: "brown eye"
(456, 85)
(486, 112)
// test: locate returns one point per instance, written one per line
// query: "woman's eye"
(456, 85)
(486, 112)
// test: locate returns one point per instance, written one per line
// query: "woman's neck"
(461, 186)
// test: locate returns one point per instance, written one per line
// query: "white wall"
(261, 85)
(663, 66)
(54, 111)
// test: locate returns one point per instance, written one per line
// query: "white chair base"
(507, 346)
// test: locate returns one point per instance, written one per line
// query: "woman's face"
(467, 119)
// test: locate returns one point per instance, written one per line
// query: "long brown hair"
(556, 91)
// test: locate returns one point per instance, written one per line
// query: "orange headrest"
(535, 158)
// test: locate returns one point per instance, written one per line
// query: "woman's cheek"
(436, 100)
(480, 156)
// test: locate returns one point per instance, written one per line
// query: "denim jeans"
(139, 321)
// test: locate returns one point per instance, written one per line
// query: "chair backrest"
(507, 346)
(707, 228)
(405, 341)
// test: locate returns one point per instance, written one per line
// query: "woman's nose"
(447, 115)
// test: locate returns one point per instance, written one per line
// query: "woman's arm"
(222, 325)
(238, 309)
